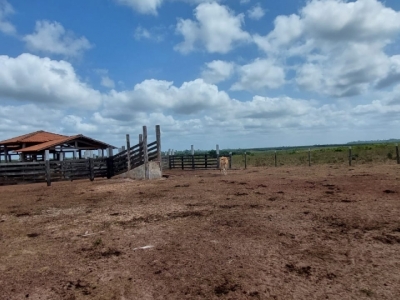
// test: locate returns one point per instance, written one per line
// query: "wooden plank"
(23, 173)
(152, 148)
(152, 144)
(41, 163)
(128, 153)
(350, 156)
(91, 169)
(145, 154)
(15, 169)
(217, 151)
(158, 141)
(46, 158)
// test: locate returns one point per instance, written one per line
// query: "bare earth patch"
(263, 233)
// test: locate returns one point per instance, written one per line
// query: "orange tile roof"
(45, 145)
(49, 144)
(34, 137)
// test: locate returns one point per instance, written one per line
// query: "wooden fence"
(194, 162)
(50, 171)
(119, 162)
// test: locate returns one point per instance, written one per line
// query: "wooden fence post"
(309, 157)
(217, 151)
(245, 160)
(205, 159)
(91, 168)
(276, 160)
(110, 163)
(350, 156)
(145, 154)
(193, 167)
(230, 160)
(6, 158)
(158, 140)
(141, 149)
(47, 167)
(128, 152)
(397, 154)
(183, 166)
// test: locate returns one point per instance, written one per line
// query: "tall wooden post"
(397, 154)
(245, 160)
(276, 159)
(110, 164)
(182, 164)
(6, 158)
(91, 169)
(145, 154)
(128, 152)
(158, 140)
(169, 159)
(350, 156)
(47, 167)
(193, 167)
(141, 158)
(230, 160)
(217, 151)
(309, 157)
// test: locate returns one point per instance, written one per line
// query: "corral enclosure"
(320, 232)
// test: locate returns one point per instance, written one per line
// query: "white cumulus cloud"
(31, 79)
(51, 37)
(256, 12)
(341, 44)
(216, 28)
(142, 6)
(260, 74)
(6, 10)
(217, 71)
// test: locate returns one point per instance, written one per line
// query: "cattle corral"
(324, 232)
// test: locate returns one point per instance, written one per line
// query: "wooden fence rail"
(192, 162)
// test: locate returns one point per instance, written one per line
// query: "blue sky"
(240, 74)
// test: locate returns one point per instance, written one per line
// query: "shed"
(32, 146)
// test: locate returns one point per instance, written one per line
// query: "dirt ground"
(323, 232)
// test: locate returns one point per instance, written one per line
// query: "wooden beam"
(158, 139)
(47, 161)
(128, 151)
(217, 151)
(6, 154)
(145, 154)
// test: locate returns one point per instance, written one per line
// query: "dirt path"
(277, 233)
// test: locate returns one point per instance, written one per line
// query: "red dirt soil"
(324, 232)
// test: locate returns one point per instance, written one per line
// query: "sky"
(238, 73)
